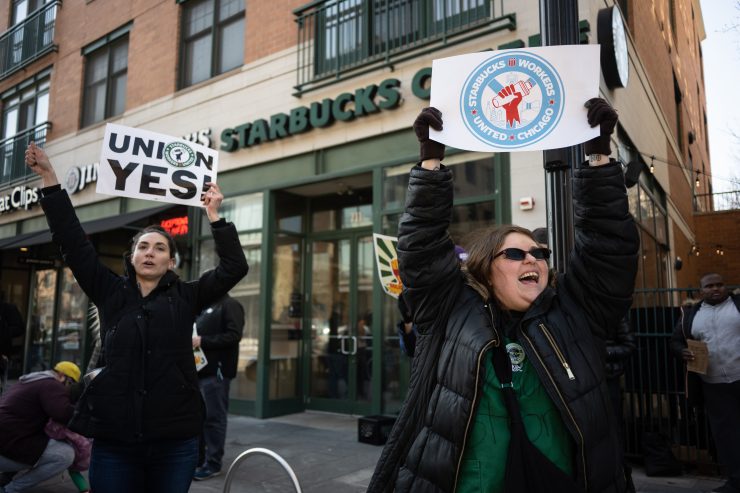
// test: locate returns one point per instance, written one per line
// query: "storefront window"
(647, 216)
(247, 292)
(345, 210)
(395, 183)
(42, 321)
(72, 315)
(244, 211)
(633, 195)
(286, 318)
(473, 178)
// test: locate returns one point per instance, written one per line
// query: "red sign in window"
(177, 226)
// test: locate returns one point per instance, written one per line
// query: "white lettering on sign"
(21, 197)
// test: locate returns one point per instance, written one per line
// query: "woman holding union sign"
(144, 408)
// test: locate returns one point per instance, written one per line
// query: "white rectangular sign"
(516, 100)
(152, 166)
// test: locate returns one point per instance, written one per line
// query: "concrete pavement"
(323, 450)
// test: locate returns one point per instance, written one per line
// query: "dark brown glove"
(602, 114)
(429, 149)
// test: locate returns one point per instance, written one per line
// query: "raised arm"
(232, 264)
(426, 254)
(94, 278)
(603, 263)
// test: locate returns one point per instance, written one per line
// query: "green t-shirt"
(484, 458)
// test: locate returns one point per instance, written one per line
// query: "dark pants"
(164, 466)
(215, 392)
(722, 403)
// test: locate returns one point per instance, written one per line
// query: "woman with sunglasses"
(508, 391)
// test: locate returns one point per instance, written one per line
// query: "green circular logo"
(179, 155)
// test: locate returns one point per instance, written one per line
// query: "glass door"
(58, 320)
(340, 316)
(41, 320)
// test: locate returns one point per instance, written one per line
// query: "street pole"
(559, 26)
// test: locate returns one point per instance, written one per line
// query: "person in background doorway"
(219, 330)
(24, 412)
(144, 408)
(716, 321)
(11, 326)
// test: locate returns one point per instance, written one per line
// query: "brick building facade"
(234, 75)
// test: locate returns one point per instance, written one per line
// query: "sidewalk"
(323, 450)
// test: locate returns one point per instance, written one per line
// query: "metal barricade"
(263, 451)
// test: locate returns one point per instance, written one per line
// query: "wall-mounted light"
(652, 166)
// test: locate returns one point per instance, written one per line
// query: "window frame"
(215, 31)
(104, 47)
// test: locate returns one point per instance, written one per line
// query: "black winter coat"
(561, 335)
(148, 389)
(220, 329)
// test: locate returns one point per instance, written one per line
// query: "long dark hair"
(155, 228)
(482, 245)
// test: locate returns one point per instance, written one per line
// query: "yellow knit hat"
(68, 368)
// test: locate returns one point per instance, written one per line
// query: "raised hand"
(429, 149)
(37, 160)
(602, 114)
(212, 201)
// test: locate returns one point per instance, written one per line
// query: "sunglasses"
(539, 253)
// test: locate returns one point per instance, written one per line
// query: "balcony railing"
(336, 37)
(12, 152)
(715, 202)
(29, 40)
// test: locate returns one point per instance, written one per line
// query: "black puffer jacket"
(148, 389)
(220, 329)
(561, 334)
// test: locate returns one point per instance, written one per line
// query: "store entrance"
(333, 294)
(341, 322)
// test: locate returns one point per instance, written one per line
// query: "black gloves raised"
(429, 149)
(602, 114)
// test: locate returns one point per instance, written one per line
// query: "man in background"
(716, 321)
(219, 330)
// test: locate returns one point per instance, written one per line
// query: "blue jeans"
(215, 392)
(163, 466)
